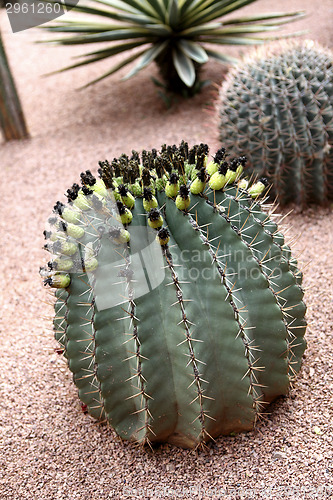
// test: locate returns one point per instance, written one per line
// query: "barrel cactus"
(178, 304)
(277, 108)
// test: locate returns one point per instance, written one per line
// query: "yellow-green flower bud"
(128, 200)
(239, 171)
(212, 168)
(61, 264)
(155, 219)
(90, 264)
(54, 236)
(172, 186)
(149, 200)
(58, 280)
(62, 247)
(235, 169)
(75, 231)
(197, 186)
(126, 197)
(163, 236)
(68, 248)
(68, 214)
(243, 184)
(124, 214)
(217, 181)
(152, 186)
(161, 183)
(136, 189)
(71, 215)
(183, 200)
(230, 176)
(115, 194)
(119, 235)
(148, 205)
(257, 188)
(100, 188)
(67, 228)
(83, 202)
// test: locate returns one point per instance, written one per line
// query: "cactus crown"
(277, 108)
(178, 303)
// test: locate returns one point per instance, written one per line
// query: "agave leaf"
(186, 6)
(236, 40)
(85, 9)
(158, 83)
(221, 57)
(193, 50)
(173, 14)
(184, 67)
(70, 26)
(220, 10)
(266, 17)
(115, 68)
(286, 35)
(131, 15)
(153, 13)
(115, 49)
(219, 31)
(238, 30)
(159, 29)
(139, 6)
(228, 5)
(210, 10)
(159, 9)
(148, 57)
(97, 56)
(136, 18)
(199, 5)
(195, 31)
(132, 8)
(122, 5)
(278, 24)
(117, 34)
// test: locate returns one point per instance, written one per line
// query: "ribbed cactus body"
(185, 331)
(277, 109)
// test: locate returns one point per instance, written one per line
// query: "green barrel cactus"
(277, 108)
(178, 304)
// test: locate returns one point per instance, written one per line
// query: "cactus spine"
(277, 108)
(182, 321)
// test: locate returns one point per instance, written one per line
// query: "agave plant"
(173, 33)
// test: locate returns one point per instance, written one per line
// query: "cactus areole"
(178, 304)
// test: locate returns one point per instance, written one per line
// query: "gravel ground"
(49, 448)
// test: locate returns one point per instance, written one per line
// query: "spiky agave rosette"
(179, 306)
(179, 35)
